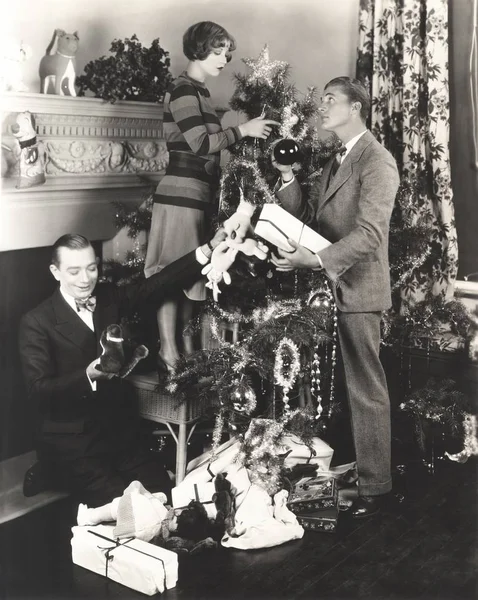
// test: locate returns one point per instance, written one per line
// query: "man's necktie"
(87, 304)
(337, 161)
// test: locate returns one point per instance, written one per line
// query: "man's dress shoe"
(366, 506)
(34, 481)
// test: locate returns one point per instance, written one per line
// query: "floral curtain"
(403, 58)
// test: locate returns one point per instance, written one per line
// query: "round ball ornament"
(320, 299)
(287, 152)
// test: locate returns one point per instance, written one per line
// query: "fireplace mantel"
(97, 153)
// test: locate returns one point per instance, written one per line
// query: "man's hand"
(285, 170)
(299, 258)
(216, 271)
(94, 374)
(219, 237)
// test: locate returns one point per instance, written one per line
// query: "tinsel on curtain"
(403, 58)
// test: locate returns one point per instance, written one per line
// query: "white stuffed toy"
(137, 513)
(223, 257)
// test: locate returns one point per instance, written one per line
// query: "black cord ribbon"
(117, 544)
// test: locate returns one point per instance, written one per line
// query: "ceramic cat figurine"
(60, 68)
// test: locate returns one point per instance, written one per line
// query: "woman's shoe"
(165, 369)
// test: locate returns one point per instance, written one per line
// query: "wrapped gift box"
(319, 453)
(311, 495)
(205, 467)
(183, 493)
(323, 520)
(136, 564)
(276, 225)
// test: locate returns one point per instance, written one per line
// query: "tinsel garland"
(438, 402)
(285, 375)
(470, 441)
(260, 453)
(423, 323)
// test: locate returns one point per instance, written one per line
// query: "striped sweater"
(194, 139)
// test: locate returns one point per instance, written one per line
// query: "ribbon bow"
(87, 304)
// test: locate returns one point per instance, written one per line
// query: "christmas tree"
(280, 371)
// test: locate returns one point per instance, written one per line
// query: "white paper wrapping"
(136, 564)
(276, 225)
(203, 469)
(301, 454)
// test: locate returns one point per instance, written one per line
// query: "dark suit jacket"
(354, 214)
(56, 346)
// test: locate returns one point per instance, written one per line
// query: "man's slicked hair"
(73, 241)
(355, 91)
(202, 38)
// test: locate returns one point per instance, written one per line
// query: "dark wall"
(464, 167)
(25, 282)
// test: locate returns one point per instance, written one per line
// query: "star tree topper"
(263, 69)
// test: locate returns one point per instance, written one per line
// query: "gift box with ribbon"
(203, 493)
(311, 495)
(323, 520)
(276, 225)
(206, 466)
(136, 564)
(317, 453)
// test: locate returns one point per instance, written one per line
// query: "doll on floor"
(137, 513)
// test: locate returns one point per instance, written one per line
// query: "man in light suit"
(352, 208)
(88, 431)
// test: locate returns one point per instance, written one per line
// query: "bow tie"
(341, 151)
(87, 304)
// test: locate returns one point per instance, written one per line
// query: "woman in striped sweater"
(185, 198)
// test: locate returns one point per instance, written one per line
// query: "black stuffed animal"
(118, 356)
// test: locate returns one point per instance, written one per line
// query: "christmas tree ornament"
(287, 152)
(286, 368)
(315, 382)
(263, 70)
(333, 361)
(320, 299)
(243, 398)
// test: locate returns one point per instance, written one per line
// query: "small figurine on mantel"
(60, 68)
(12, 57)
(31, 153)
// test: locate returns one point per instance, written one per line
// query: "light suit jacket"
(353, 213)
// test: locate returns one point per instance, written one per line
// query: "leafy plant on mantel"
(133, 72)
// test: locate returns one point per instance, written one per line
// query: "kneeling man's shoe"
(366, 506)
(34, 481)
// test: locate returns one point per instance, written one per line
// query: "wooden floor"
(423, 545)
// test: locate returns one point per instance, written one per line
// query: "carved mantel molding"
(95, 152)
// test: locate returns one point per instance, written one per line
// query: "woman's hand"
(258, 127)
(239, 224)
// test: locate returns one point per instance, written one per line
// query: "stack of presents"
(238, 512)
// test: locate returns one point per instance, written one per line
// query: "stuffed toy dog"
(31, 154)
(118, 357)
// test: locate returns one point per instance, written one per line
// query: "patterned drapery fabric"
(403, 58)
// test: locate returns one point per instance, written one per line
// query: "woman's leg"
(187, 313)
(167, 318)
